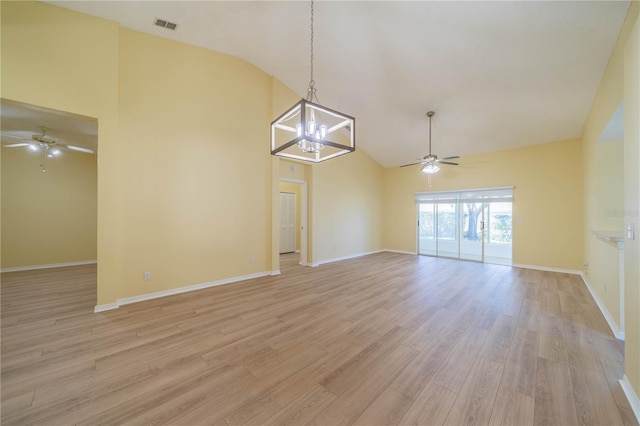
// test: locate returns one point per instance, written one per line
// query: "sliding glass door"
(471, 225)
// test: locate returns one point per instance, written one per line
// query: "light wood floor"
(384, 339)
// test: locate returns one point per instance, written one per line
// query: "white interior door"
(287, 222)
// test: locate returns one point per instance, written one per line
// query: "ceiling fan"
(430, 161)
(47, 146)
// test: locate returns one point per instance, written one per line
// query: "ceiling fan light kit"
(430, 161)
(311, 132)
(47, 147)
(429, 168)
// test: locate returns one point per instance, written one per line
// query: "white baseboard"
(353, 256)
(105, 307)
(277, 272)
(174, 291)
(619, 334)
(400, 251)
(547, 268)
(47, 266)
(631, 395)
(350, 256)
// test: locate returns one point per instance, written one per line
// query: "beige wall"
(547, 229)
(619, 84)
(50, 217)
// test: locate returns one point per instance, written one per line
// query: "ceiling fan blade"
(448, 162)
(450, 158)
(80, 149)
(15, 145)
(412, 164)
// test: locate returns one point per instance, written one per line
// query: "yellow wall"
(48, 217)
(606, 201)
(547, 229)
(81, 77)
(619, 84)
(347, 206)
(295, 188)
(632, 202)
(196, 197)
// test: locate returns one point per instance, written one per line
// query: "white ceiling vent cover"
(165, 24)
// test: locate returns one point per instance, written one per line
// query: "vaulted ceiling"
(499, 75)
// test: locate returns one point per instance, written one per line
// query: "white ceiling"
(498, 74)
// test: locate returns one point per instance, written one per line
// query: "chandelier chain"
(311, 81)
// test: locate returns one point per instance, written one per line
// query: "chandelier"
(311, 132)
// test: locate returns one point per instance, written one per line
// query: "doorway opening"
(49, 187)
(472, 225)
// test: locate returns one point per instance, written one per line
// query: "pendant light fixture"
(311, 132)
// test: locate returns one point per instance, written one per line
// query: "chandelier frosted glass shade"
(311, 132)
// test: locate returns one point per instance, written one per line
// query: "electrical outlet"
(147, 276)
(253, 259)
(605, 287)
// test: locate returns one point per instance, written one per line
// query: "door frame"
(303, 218)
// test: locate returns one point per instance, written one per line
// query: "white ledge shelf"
(611, 236)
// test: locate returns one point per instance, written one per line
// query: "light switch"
(630, 232)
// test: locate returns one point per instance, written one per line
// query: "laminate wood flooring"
(383, 339)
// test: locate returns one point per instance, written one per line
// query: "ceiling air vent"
(165, 24)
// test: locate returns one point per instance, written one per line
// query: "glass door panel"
(427, 229)
(472, 227)
(499, 227)
(447, 229)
